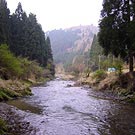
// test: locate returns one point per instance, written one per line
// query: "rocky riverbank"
(12, 123)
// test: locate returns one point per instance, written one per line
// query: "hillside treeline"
(24, 37)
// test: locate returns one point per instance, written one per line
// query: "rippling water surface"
(56, 109)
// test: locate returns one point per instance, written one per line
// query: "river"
(58, 109)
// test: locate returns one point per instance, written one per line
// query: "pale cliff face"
(72, 43)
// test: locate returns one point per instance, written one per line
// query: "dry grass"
(13, 85)
(107, 82)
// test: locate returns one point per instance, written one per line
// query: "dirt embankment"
(114, 86)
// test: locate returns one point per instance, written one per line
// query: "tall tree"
(24, 35)
(36, 41)
(95, 52)
(117, 28)
(4, 22)
(49, 52)
(17, 31)
(19, 11)
(50, 56)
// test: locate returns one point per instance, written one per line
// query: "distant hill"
(71, 45)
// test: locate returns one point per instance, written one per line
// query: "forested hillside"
(25, 57)
(71, 46)
(25, 53)
(24, 36)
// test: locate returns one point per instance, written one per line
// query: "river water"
(57, 109)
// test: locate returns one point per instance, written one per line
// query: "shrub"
(6, 94)
(106, 63)
(10, 66)
(99, 75)
(118, 64)
(87, 72)
(30, 69)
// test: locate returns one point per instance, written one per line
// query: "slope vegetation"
(71, 46)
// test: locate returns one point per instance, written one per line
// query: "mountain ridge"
(72, 43)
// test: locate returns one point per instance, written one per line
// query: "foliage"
(51, 67)
(10, 66)
(13, 67)
(6, 94)
(118, 64)
(28, 38)
(117, 29)
(26, 92)
(105, 64)
(99, 75)
(3, 127)
(30, 69)
(77, 65)
(95, 53)
(105, 61)
(87, 72)
(4, 22)
(24, 35)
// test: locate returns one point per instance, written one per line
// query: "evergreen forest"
(23, 37)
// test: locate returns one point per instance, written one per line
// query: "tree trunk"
(131, 68)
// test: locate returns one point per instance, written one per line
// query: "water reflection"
(23, 105)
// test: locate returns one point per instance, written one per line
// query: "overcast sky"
(55, 14)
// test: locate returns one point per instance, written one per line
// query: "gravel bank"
(15, 121)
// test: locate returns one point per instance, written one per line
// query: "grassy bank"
(17, 74)
(11, 89)
(120, 87)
